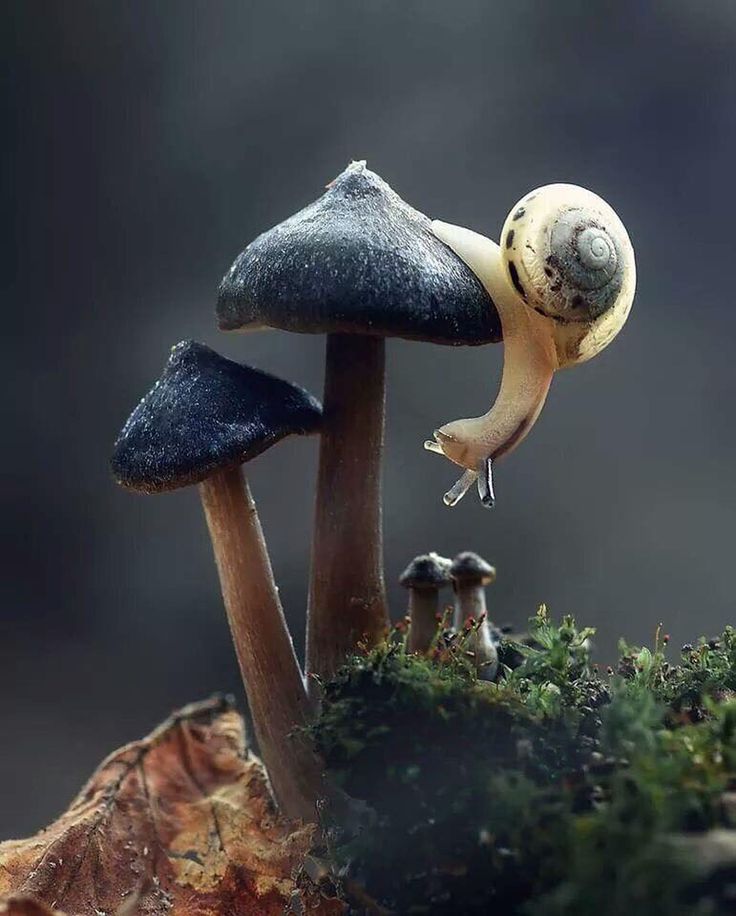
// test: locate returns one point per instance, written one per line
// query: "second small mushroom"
(470, 575)
(200, 422)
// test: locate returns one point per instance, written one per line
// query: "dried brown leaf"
(180, 822)
(26, 906)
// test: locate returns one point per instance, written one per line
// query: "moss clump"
(553, 791)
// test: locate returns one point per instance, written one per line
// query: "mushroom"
(470, 575)
(424, 577)
(563, 282)
(359, 264)
(200, 422)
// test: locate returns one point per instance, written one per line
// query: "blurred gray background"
(147, 142)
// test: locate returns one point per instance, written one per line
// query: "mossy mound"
(557, 790)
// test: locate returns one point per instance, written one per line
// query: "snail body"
(563, 280)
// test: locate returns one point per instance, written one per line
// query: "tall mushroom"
(200, 422)
(470, 575)
(424, 577)
(359, 264)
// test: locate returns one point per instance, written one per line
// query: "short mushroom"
(424, 577)
(200, 422)
(470, 575)
(359, 264)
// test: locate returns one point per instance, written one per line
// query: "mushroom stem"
(424, 607)
(470, 604)
(347, 601)
(273, 681)
(530, 360)
(470, 601)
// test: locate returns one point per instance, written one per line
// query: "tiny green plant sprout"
(562, 281)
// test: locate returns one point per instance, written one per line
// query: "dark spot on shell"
(510, 238)
(553, 265)
(519, 213)
(577, 301)
(516, 281)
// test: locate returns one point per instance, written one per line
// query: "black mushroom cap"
(206, 413)
(427, 571)
(359, 260)
(468, 568)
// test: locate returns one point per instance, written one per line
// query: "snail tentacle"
(460, 488)
(486, 491)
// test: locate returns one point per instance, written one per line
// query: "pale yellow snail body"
(563, 281)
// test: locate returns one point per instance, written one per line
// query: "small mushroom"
(470, 575)
(200, 422)
(563, 281)
(424, 577)
(359, 264)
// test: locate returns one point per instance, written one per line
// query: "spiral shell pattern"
(567, 253)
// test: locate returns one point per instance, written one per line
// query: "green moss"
(554, 791)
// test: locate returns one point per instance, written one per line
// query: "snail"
(563, 281)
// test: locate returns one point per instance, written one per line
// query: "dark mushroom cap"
(359, 260)
(206, 413)
(468, 568)
(427, 571)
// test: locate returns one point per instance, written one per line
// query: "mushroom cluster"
(468, 574)
(358, 265)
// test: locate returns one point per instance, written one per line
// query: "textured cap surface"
(359, 260)
(469, 567)
(427, 571)
(206, 413)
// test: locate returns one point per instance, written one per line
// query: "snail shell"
(568, 256)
